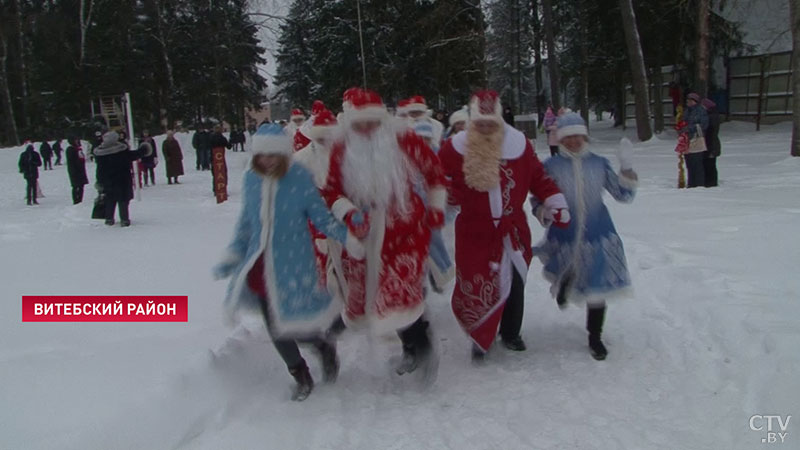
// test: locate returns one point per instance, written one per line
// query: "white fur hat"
(270, 139)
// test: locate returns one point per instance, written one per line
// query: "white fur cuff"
(437, 198)
(628, 183)
(354, 247)
(556, 201)
(341, 207)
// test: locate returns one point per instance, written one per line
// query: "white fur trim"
(416, 107)
(388, 325)
(354, 247)
(319, 131)
(572, 130)
(341, 207)
(322, 245)
(514, 142)
(556, 201)
(437, 198)
(271, 145)
(462, 115)
(297, 116)
(475, 111)
(368, 113)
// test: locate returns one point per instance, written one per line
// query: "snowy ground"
(711, 339)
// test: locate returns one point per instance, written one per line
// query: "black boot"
(330, 361)
(594, 325)
(416, 347)
(563, 288)
(478, 355)
(304, 381)
(515, 344)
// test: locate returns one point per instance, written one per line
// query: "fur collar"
(514, 142)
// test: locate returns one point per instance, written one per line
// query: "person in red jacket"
(493, 168)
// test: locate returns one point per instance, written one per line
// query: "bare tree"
(702, 48)
(84, 20)
(8, 108)
(794, 8)
(552, 61)
(638, 73)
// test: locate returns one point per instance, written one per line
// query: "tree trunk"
(84, 19)
(8, 108)
(168, 71)
(794, 7)
(537, 60)
(638, 73)
(23, 72)
(620, 111)
(584, 61)
(552, 60)
(658, 104)
(702, 48)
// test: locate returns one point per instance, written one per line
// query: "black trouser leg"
(198, 159)
(415, 336)
(710, 171)
(511, 323)
(553, 150)
(111, 205)
(152, 175)
(77, 194)
(287, 348)
(595, 316)
(30, 191)
(123, 210)
(695, 170)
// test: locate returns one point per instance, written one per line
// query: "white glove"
(625, 154)
(544, 215)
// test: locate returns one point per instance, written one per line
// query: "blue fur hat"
(270, 139)
(571, 124)
(423, 128)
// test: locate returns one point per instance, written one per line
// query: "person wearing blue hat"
(271, 262)
(585, 261)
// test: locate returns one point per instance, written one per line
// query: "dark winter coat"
(173, 157)
(201, 140)
(76, 166)
(57, 149)
(696, 115)
(218, 140)
(45, 150)
(712, 133)
(29, 163)
(114, 169)
(149, 153)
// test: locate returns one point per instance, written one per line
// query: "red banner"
(105, 308)
(219, 169)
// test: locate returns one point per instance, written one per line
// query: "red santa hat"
(324, 123)
(347, 98)
(402, 106)
(297, 113)
(365, 104)
(317, 107)
(417, 104)
(485, 105)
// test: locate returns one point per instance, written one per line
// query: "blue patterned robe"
(273, 221)
(589, 248)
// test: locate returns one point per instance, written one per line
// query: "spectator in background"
(29, 162)
(57, 151)
(114, 159)
(713, 145)
(76, 168)
(147, 147)
(201, 141)
(47, 155)
(173, 157)
(697, 123)
(508, 116)
(458, 122)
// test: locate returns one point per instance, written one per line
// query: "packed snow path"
(710, 340)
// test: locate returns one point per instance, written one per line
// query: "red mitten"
(357, 223)
(561, 218)
(435, 218)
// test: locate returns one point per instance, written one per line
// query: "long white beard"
(375, 170)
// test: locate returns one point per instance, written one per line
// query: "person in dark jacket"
(114, 174)
(47, 155)
(697, 123)
(713, 144)
(76, 167)
(29, 162)
(202, 146)
(237, 139)
(217, 141)
(508, 116)
(57, 151)
(173, 157)
(147, 147)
